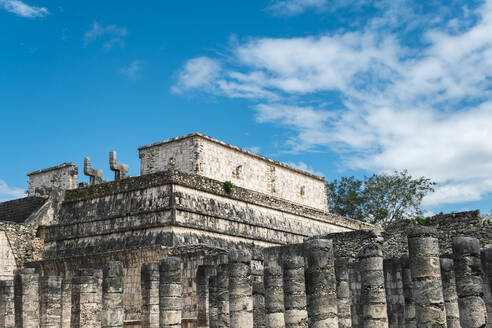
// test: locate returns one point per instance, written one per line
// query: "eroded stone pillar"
(240, 290)
(486, 255)
(423, 248)
(170, 292)
(66, 301)
(321, 287)
(258, 303)
(202, 280)
(86, 300)
(51, 299)
(294, 292)
(274, 297)
(7, 307)
(373, 294)
(399, 299)
(149, 281)
(343, 292)
(389, 286)
(222, 296)
(468, 274)
(113, 312)
(212, 301)
(409, 313)
(449, 293)
(355, 293)
(26, 288)
(394, 293)
(487, 259)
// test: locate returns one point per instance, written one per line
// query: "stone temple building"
(211, 235)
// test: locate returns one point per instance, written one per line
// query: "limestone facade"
(64, 176)
(211, 158)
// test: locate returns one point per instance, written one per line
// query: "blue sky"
(335, 87)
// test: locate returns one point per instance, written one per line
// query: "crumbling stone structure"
(174, 247)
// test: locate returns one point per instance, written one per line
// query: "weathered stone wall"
(202, 155)
(7, 259)
(170, 208)
(42, 182)
(177, 153)
(450, 225)
(18, 210)
(132, 260)
(223, 162)
(18, 245)
(226, 216)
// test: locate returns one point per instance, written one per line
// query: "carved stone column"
(449, 293)
(240, 290)
(468, 272)
(373, 292)
(222, 296)
(113, 312)
(423, 248)
(51, 299)
(294, 292)
(321, 284)
(27, 298)
(149, 280)
(86, 301)
(410, 320)
(7, 307)
(274, 297)
(343, 292)
(170, 292)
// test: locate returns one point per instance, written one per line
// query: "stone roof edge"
(21, 199)
(241, 150)
(53, 168)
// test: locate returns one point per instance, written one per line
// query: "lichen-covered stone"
(373, 294)
(240, 290)
(468, 275)
(425, 269)
(321, 283)
(170, 292)
(294, 291)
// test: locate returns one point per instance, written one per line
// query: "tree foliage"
(381, 198)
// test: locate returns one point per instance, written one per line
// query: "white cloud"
(308, 123)
(304, 167)
(8, 193)
(377, 102)
(133, 69)
(21, 9)
(296, 7)
(112, 35)
(197, 73)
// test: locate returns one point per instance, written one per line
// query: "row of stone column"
(418, 290)
(312, 289)
(442, 291)
(161, 293)
(307, 290)
(95, 299)
(226, 293)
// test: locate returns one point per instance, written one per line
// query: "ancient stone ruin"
(177, 246)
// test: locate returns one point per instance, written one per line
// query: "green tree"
(346, 197)
(381, 198)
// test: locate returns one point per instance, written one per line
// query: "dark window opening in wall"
(238, 172)
(302, 191)
(172, 163)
